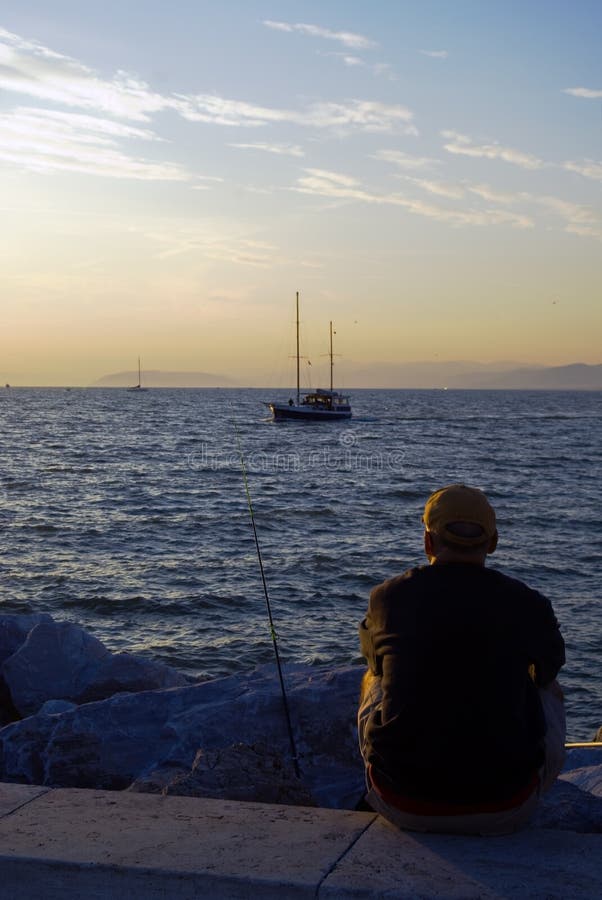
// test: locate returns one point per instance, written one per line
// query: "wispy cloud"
(380, 69)
(214, 243)
(30, 68)
(574, 213)
(594, 231)
(347, 38)
(492, 196)
(435, 54)
(217, 110)
(344, 187)
(472, 217)
(205, 182)
(278, 149)
(588, 93)
(576, 218)
(278, 26)
(405, 160)
(589, 168)
(25, 119)
(335, 179)
(463, 145)
(362, 115)
(370, 115)
(351, 62)
(92, 120)
(27, 67)
(45, 140)
(440, 188)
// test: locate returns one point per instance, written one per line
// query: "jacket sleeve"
(369, 630)
(367, 645)
(548, 649)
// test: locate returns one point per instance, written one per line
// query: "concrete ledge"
(102, 844)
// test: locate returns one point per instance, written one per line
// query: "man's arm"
(548, 645)
(367, 645)
(368, 629)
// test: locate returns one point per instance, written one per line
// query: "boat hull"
(285, 411)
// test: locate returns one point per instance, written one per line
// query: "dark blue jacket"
(454, 644)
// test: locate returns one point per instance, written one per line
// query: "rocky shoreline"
(76, 715)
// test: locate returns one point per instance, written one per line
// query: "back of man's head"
(461, 519)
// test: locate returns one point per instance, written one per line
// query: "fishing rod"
(268, 606)
(574, 744)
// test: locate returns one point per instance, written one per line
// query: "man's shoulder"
(400, 582)
(422, 576)
(426, 573)
(510, 583)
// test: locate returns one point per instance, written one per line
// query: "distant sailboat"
(138, 387)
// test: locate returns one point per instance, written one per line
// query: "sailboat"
(319, 405)
(138, 387)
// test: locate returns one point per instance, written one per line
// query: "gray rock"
(13, 633)
(14, 630)
(588, 778)
(580, 757)
(249, 772)
(160, 780)
(129, 737)
(61, 661)
(56, 662)
(54, 707)
(124, 672)
(25, 740)
(568, 808)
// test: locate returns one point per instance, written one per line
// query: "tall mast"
(331, 360)
(297, 348)
(139, 382)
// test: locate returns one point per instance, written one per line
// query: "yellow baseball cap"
(455, 504)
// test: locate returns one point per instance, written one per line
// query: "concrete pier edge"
(59, 843)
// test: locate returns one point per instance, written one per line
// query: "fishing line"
(268, 605)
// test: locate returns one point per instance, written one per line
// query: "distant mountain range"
(156, 378)
(470, 375)
(467, 375)
(577, 376)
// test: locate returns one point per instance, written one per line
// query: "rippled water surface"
(127, 514)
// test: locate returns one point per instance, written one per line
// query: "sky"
(426, 174)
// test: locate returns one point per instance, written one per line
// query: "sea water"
(126, 513)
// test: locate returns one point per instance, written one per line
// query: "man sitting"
(461, 722)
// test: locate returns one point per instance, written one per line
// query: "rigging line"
(268, 605)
